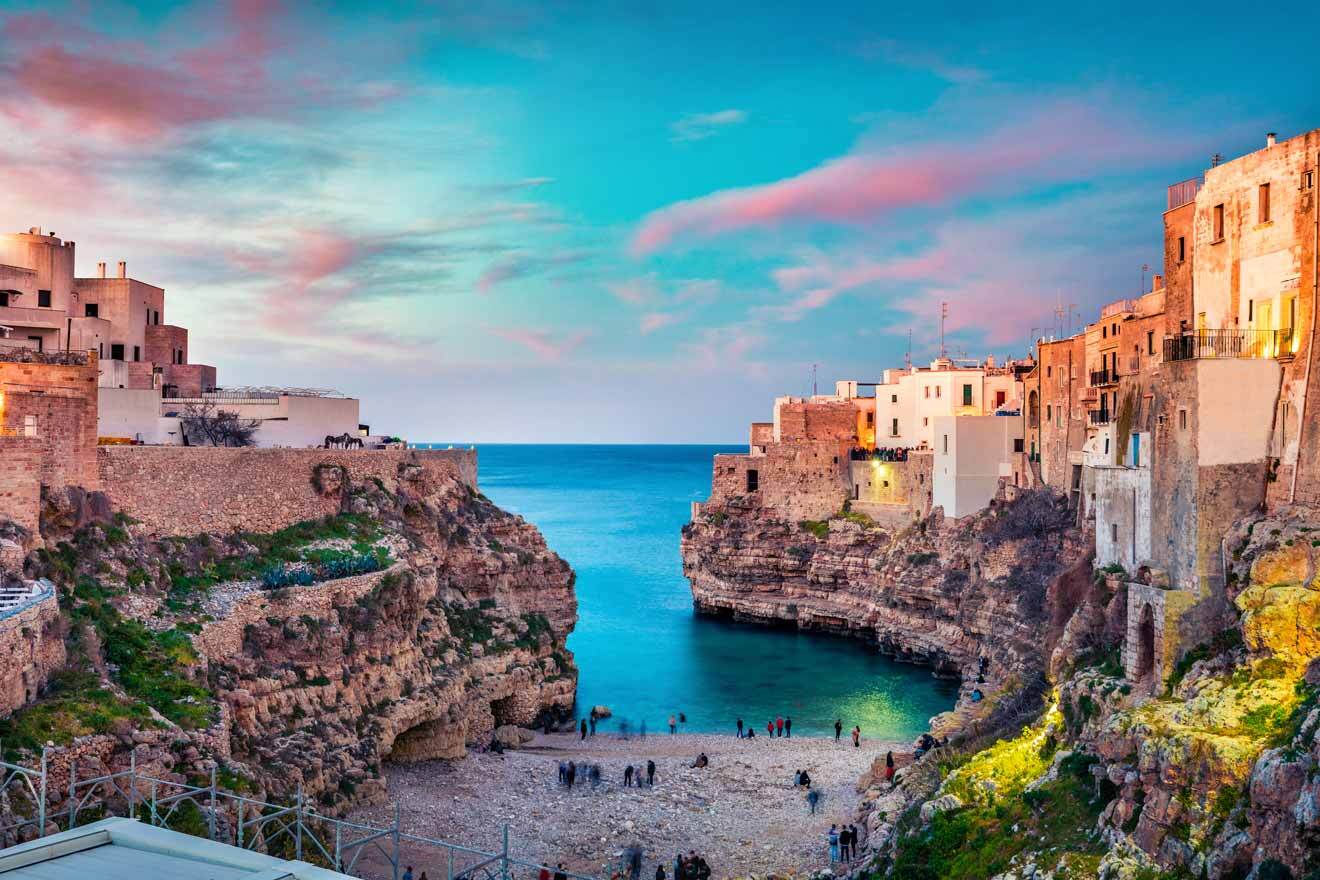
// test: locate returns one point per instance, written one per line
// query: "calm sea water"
(614, 512)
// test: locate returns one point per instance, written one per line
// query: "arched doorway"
(1146, 643)
(1033, 407)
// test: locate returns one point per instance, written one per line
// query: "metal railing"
(294, 830)
(1100, 416)
(1184, 192)
(1103, 377)
(1229, 344)
(43, 591)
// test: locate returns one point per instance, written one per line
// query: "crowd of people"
(880, 453)
(843, 843)
(639, 775)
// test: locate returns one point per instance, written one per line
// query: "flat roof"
(126, 849)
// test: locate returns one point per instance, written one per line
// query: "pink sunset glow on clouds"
(142, 92)
(543, 343)
(1064, 140)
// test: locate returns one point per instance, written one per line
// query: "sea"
(615, 513)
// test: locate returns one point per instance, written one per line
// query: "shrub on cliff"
(1033, 514)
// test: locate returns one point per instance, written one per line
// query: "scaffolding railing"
(292, 830)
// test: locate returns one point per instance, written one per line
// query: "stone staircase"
(16, 596)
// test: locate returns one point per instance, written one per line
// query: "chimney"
(1156, 282)
(34, 230)
(1269, 139)
(100, 270)
(123, 269)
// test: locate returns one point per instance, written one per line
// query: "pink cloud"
(1062, 141)
(635, 291)
(138, 92)
(653, 321)
(544, 343)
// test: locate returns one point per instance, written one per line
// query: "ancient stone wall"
(814, 421)
(177, 490)
(31, 647)
(1059, 416)
(20, 481)
(797, 481)
(52, 398)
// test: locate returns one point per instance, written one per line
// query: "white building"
(285, 418)
(971, 454)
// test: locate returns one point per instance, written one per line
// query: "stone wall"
(797, 481)
(813, 421)
(178, 490)
(1154, 638)
(53, 398)
(31, 647)
(20, 481)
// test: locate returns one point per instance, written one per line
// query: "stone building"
(1054, 421)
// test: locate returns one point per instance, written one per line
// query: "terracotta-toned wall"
(31, 647)
(190, 379)
(63, 399)
(1062, 419)
(797, 481)
(20, 481)
(162, 340)
(178, 490)
(811, 421)
(1178, 288)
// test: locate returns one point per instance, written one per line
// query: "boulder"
(601, 711)
(941, 804)
(510, 736)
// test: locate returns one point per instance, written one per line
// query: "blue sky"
(572, 222)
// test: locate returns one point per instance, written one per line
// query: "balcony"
(1182, 193)
(1100, 378)
(1100, 416)
(1230, 344)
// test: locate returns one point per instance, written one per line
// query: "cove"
(614, 512)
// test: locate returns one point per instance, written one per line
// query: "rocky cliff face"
(409, 626)
(999, 586)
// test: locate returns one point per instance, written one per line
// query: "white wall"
(1122, 515)
(979, 451)
(132, 413)
(1235, 399)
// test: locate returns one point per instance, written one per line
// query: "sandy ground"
(741, 813)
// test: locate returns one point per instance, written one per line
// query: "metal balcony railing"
(1229, 344)
(1184, 192)
(1103, 377)
(1100, 416)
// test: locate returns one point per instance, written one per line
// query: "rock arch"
(1145, 647)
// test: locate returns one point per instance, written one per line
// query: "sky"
(585, 222)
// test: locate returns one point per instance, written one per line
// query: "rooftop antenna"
(1145, 267)
(1215, 160)
(1058, 310)
(1072, 309)
(907, 358)
(813, 380)
(944, 314)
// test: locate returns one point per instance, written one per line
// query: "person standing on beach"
(852, 837)
(572, 773)
(673, 725)
(838, 728)
(857, 737)
(845, 842)
(779, 726)
(660, 871)
(889, 767)
(813, 798)
(739, 728)
(650, 772)
(770, 728)
(584, 728)
(627, 776)
(788, 727)
(593, 724)
(563, 772)
(834, 843)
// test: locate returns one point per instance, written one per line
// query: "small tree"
(204, 425)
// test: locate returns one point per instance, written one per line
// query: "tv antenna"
(813, 380)
(1145, 267)
(944, 314)
(907, 358)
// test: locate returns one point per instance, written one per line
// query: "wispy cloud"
(699, 126)
(544, 343)
(522, 265)
(1063, 140)
(653, 321)
(911, 56)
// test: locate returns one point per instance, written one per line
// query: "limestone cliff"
(409, 625)
(999, 586)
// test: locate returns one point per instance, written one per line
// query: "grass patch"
(74, 705)
(817, 527)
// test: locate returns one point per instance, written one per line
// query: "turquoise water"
(614, 512)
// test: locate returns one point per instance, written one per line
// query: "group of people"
(571, 772)
(882, 453)
(856, 733)
(843, 843)
(689, 867)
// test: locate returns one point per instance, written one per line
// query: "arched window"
(1033, 407)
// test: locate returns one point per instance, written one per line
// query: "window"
(1308, 180)
(1049, 413)
(924, 421)
(1263, 203)
(1104, 332)
(1017, 444)
(753, 481)
(1150, 342)
(893, 429)
(137, 353)
(870, 416)
(1001, 397)
(1182, 249)
(893, 398)
(1049, 371)
(29, 426)
(1106, 446)
(116, 351)
(43, 299)
(156, 317)
(38, 340)
(1113, 532)
(938, 389)
(927, 391)
(1182, 419)
(1218, 223)
(4, 298)
(946, 444)
(91, 310)
(967, 395)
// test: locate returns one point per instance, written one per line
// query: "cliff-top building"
(145, 378)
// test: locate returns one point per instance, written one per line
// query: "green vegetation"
(469, 625)
(817, 527)
(75, 705)
(1225, 641)
(921, 558)
(537, 626)
(324, 568)
(1052, 824)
